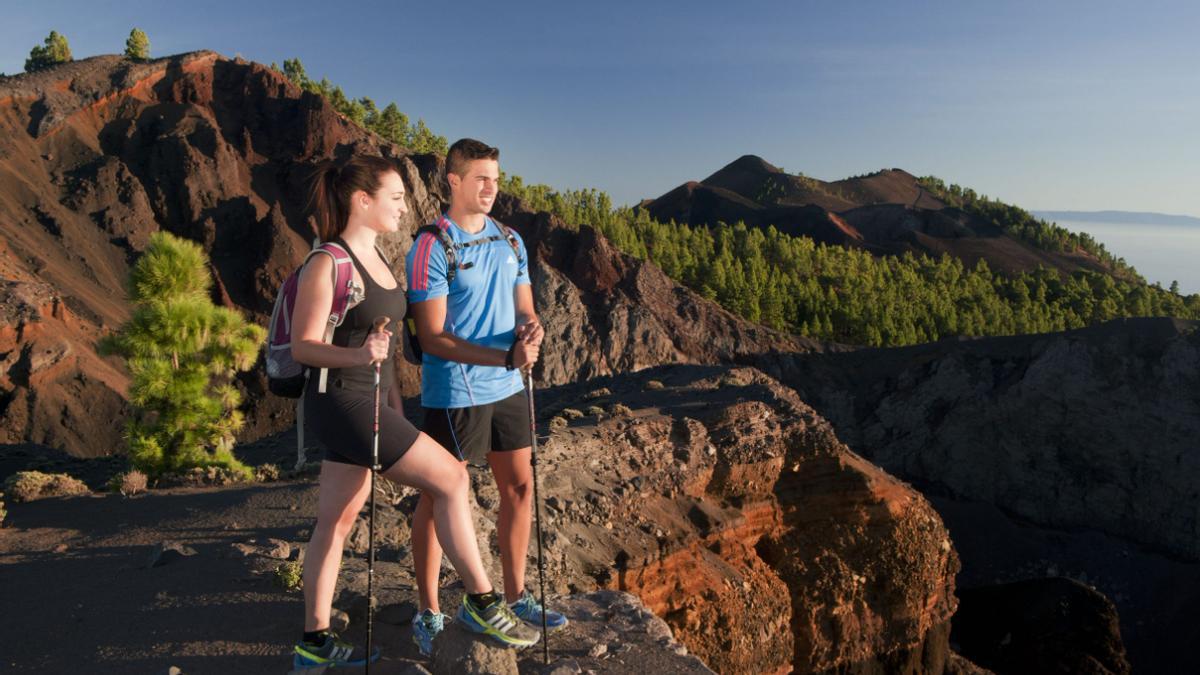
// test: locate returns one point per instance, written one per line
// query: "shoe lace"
(530, 603)
(508, 613)
(434, 621)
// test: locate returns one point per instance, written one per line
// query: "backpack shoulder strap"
(510, 235)
(346, 294)
(448, 246)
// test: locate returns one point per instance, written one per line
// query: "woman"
(355, 203)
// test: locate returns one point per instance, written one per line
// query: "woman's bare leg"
(343, 491)
(444, 480)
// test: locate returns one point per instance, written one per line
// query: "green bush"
(183, 353)
(289, 575)
(595, 411)
(26, 486)
(571, 413)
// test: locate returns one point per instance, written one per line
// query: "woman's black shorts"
(343, 421)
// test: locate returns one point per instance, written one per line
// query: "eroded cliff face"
(725, 503)
(1094, 428)
(98, 154)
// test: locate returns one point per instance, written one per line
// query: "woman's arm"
(314, 298)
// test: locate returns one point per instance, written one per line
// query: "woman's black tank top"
(379, 301)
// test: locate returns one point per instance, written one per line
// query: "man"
(477, 328)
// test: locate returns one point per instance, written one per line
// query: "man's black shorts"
(470, 433)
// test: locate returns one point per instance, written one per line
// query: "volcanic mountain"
(887, 213)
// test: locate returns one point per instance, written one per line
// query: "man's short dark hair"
(467, 150)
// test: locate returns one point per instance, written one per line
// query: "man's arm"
(529, 329)
(430, 317)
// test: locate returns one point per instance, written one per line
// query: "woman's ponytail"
(333, 186)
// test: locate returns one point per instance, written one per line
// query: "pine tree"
(183, 353)
(55, 51)
(422, 140)
(137, 47)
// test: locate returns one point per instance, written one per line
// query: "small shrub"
(129, 483)
(3, 511)
(558, 423)
(571, 413)
(595, 410)
(208, 476)
(598, 393)
(620, 409)
(654, 384)
(266, 473)
(26, 486)
(289, 575)
(730, 380)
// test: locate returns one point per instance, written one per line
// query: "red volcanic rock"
(59, 392)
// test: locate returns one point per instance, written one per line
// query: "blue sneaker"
(331, 653)
(530, 611)
(497, 621)
(426, 625)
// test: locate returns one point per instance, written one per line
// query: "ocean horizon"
(1160, 253)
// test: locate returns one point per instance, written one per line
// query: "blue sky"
(1049, 105)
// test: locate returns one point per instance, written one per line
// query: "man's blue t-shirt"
(480, 308)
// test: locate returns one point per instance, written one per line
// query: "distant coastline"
(1121, 217)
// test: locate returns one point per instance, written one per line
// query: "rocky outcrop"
(725, 503)
(98, 154)
(1094, 428)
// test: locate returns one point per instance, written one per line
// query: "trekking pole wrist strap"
(508, 358)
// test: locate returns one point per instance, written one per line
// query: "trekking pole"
(537, 506)
(380, 323)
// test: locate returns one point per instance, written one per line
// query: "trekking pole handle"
(377, 326)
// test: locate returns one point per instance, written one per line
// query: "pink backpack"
(285, 376)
